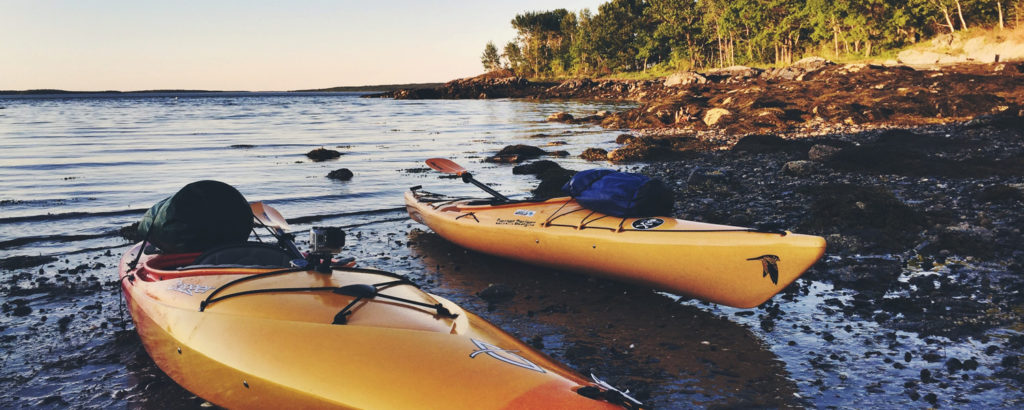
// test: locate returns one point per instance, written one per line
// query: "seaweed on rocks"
(871, 213)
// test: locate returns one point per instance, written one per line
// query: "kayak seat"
(249, 254)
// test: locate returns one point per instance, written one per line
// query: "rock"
(322, 154)
(685, 78)
(877, 274)
(760, 144)
(733, 73)
(552, 177)
(594, 154)
(908, 153)
(709, 179)
(516, 153)
(799, 168)
(812, 63)
(1001, 193)
(873, 215)
(497, 292)
(634, 153)
(953, 365)
(342, 174)
(416, 94)
(19, 261)
(536, 167)
(21, 310)
(717, 117)
(560, 117)
(624, 139)
(821, 152)
(964, 240)
(799, 70)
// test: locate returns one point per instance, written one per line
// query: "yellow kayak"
(723, 264)
(263, 337)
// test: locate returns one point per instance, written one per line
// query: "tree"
(490, 58)
(676, 28)
(541, 37)
(513, 57)
(619, 29)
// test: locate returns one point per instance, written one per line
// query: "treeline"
(636, 35)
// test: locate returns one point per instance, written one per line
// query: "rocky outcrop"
(521, 152)
(491, 85)
(819, 92)
(322, 154)
(552, 177)
(594, 154)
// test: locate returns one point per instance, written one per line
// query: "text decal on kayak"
(189, 288)
(507, 356)
(647, 223)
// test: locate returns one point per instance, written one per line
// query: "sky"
(79, 45)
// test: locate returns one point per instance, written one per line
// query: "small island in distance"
(356, 88)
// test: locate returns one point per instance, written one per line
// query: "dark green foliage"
(635, 35)
(490, 59)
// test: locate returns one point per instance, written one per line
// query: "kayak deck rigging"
(438, 201)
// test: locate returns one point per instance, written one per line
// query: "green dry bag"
(200, 216)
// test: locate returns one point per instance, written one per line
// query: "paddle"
(275, 222)
(269, 217)
(450, 167)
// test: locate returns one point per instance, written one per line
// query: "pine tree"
(490, 58)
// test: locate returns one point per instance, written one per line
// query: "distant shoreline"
(358, 88)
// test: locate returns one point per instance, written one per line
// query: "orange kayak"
(723, 264)
(280, 337)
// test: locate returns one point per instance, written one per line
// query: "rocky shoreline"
(914, 176)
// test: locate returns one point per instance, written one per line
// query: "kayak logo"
(524, 212)
(647, 223)
(769, 266)
(507, 356)
(189, 288)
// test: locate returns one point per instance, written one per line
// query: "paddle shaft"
(467, 177)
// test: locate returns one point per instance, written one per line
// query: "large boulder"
(685, 78)
(717, 117)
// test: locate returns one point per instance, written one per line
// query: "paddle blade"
(269, 216)
(446, 166)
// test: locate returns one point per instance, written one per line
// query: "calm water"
(74, 170)
(102, 157)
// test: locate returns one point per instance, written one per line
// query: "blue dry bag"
(620, 194)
